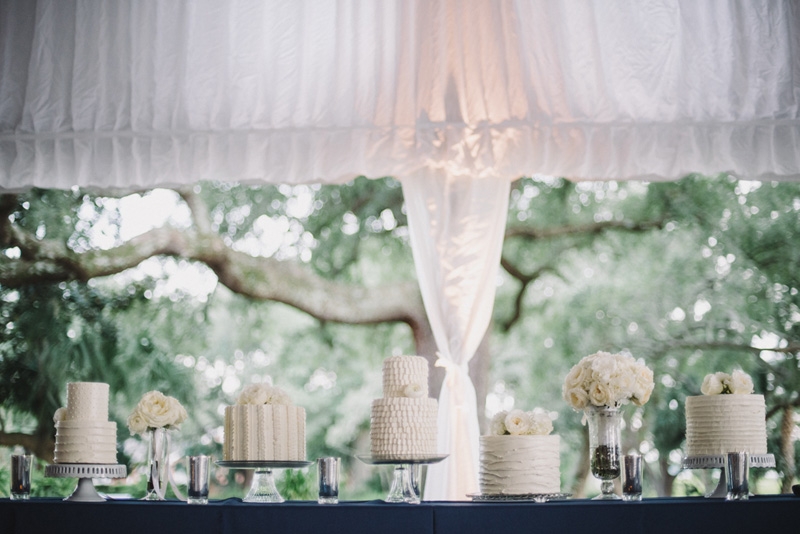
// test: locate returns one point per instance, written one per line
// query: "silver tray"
(717, 461)
(255, 464)
(526, 497)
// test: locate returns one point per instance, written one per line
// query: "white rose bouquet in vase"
(599, 385)
(155, 414)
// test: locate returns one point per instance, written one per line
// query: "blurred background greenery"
(695, 276)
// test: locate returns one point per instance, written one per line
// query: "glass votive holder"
(737, 469)
(328, 471)
(21, 476)
(197, 492)
(632, 477)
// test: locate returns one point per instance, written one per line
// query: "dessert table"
(773, 513)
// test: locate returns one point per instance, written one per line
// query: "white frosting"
(87, 401)
(403, 423)
(719, 424)
(264, 432)
(402, 428)
(400, 372)
(519, 465)
(85, 435)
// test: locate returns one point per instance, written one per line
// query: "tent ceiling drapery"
(131, 95)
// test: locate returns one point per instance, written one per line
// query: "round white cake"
(84, 435)
(719, 424)
(264, 426)
(519, 465)
(403, 422)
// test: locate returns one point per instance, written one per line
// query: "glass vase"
(605, 453)
(157, 465)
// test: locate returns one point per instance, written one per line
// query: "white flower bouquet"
(736, 383)
(520, 423)
(263, 394)
(156, 410)
(605, 379)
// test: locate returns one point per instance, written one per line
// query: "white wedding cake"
(520, 457)
(264, 426)
(403, 422)
(84, 435)
(728, 417)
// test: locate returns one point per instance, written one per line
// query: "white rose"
(517, 423)
(413, 391)
(497, 426)
(277, 396)
(60, 414)
(254, 394)
(159, 410)
(604, 366)
(712, 385)
(643, 385)
(599, 394)
(136, 423)
(577, 398)
(541, 424)
(576, 376)
(741, 383)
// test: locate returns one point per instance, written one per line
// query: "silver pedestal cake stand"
(405, 484)
(717, 461)
(263, 488)
(84, 491)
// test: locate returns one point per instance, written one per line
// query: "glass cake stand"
(717, 461)
(405, 484)
(263, 488)
(85, 491)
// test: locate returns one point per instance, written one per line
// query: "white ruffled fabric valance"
(132, 94)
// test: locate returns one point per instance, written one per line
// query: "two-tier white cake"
(403, 422)
(84, 435)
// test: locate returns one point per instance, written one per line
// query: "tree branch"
(528, 232)
(41, 447)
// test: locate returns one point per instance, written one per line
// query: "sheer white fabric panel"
(456, 227)
(137, 94)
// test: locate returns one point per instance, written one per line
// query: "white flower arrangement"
(520, 423)
(263, 394)
(605, 379)
(736, 383)
(156, 410)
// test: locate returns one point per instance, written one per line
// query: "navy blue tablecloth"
(778, 513)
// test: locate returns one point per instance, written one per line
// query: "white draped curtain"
(454, 98)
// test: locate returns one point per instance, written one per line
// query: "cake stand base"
(263, 489)
(717, 461)
(405, 481)
(85, 490)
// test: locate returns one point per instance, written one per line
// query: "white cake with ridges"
(403, 422)
(519, 465)
(719, 424)
(84, 435)
(264, 426)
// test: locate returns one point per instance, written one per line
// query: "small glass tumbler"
(328, 470)
(197, 492)
(21, 476)
(737, 466)
(632, 477)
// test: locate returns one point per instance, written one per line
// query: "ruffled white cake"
(403, 422)
(519, 465)
(719, 424)
(264, 432)
(84, 435)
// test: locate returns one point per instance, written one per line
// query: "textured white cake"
(519, 465)
(719, 424)
(403, 422)
(265, 432)
(84, 435)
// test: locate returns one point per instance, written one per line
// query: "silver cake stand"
(717, 461)
(524, 497)
(84, 491)
(263, 488)
(405, 484)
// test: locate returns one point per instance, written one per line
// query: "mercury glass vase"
(605, 454)
(157, 465)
